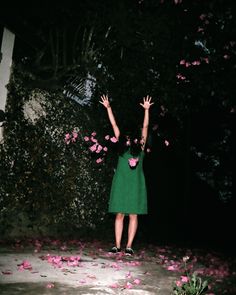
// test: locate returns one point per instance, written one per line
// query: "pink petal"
(128, 285)
(114, 286)
(50, 285)
(137, 282)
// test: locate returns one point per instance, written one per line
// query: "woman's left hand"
(147, 102)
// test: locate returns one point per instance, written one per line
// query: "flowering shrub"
(190, 284)
(49, 185)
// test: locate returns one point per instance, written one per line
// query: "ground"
(47, 266)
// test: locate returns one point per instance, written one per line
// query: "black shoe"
(129, 251)
(115, 250)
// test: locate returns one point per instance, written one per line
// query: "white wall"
(8, 40)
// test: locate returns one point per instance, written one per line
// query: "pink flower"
(148, 150)
(226, 56)
(107, 137)
(128, 143)
(133, 162)
(93, 148)
(135, 140)
(67, 136)
(196, 63)
(99, 148)
(93, 133)
(75, 134)
(86, 138)
(166, 142)
(93, 139)
(180, 76)
(187, 64)
(182, 62)
(113, 139)
(99, 160)
(184, 279)
(105, 149)
(179, 283)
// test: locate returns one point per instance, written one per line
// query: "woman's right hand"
(105, 101)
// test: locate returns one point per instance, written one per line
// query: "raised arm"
(105, 102)
(146, 105)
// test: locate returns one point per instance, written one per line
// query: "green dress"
(128, 191)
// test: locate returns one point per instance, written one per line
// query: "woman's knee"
(120, 216)
(133, 216)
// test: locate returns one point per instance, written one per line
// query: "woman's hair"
(130, 139)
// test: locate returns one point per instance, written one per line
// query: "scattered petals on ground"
(217, 268)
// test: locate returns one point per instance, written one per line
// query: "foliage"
(190, 284)
(46, 184)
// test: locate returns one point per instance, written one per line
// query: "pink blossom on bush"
(86, 138)
(182, 62)
(105, 149)
(107, 137)
(67, 138)
(75, 135)
(94, 133)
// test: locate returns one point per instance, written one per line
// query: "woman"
(128, 191)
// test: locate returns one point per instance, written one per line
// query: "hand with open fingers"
(147, 102)
(105, 101)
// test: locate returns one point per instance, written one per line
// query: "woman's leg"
(119, 228)
(133, 225)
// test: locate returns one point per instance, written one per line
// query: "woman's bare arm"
(146, 105)
(105, 102)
